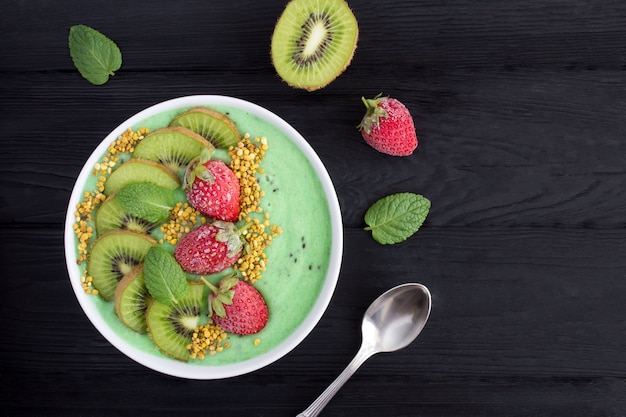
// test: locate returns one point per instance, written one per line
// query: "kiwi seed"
(173, 147)
(313, 42)
(113, 255)
(214, 126)
(171, 327)
(110, 216)
(140, 170)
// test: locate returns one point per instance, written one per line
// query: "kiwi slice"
(131, 300)
(113, 255)
(216, 127)
(140, 170)
(314, 42)
(111, 216)
(173, 147)
(171, 327)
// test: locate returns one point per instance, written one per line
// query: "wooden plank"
(544, 313)
(496, 148)
(541, 340)
(448, 34)
(519, 107)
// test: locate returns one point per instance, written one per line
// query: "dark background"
(520, 108)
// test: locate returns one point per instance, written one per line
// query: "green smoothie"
(298, 258)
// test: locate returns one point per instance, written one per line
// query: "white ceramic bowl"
(173, 367)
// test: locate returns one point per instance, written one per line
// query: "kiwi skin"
(142, 170)
(138, 321)
(175, 155)
(229, 135)
(169, 334)
(104, 278)
(278, 54)
(111, 216)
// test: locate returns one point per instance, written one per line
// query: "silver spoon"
(390, 323)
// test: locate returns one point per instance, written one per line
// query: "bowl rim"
(173, 367)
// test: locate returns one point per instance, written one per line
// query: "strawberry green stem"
(243, 228)
(373, 114)
(206, 154)
(212, 287)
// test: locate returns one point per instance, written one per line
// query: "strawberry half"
(388, 126)
(212, 187)
(210, 248)
(237, 307)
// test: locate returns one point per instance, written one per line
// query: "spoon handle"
(316, 407)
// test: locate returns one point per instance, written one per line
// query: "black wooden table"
(520, 108)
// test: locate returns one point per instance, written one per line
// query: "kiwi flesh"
(140, 170)
(131, 300)
(113, 255)
(111, 216)
(314, 42)
(173, 147)
(214, 126)
(171, 327)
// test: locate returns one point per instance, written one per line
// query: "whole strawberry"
(212, 187)
(388, 126)
(237, 307)
(210, 248)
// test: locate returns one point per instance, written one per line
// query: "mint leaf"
(164, 277)
(94, 55)
(395, 218)
(147, 201)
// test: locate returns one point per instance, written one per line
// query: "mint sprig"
(395, 218)
(94, 55)
(164, 277)
(147, 201)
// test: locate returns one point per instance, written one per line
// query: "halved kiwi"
(113, 255)
(171, 327)
(132, 299)
(214, 126)
(111, 216)
(173, 147)
(313, 42)
(140, 170)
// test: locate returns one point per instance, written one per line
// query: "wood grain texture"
(201, 36)
(498, 148)
(520, 109)
(510, 323)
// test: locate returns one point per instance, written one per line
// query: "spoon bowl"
(390, 323)
(396, 317)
